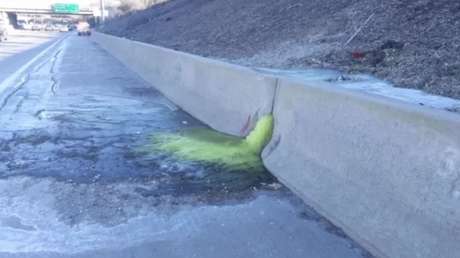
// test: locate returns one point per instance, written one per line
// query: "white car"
(63, 28)
(26, 26)
(83, 29)
(3, 30)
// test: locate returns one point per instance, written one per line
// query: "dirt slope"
(412, 43)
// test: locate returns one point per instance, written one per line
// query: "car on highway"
(63, 28)
(37, 26)
(72, 27)
(50, 27)
(24, 25)
(83, 29)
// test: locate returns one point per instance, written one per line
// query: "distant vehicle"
(83, 29)
(50, 27)
(4, 27)
(21, 24)
(37, 26)
(72, 27)
(24, 25)
(62, 28)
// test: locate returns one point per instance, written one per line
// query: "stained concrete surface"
(75, 180)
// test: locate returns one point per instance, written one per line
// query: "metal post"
(102, 7)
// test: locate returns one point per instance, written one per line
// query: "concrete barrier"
(227, 97)
(385, 171)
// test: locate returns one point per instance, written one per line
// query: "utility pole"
(102, 7)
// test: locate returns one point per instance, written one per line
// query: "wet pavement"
(77, 181)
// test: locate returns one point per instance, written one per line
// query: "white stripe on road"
(16, 75)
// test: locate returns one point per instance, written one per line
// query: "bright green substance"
(206, 145)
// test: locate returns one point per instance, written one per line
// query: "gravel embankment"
(414, 44)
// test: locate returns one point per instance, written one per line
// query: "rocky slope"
(413, 43)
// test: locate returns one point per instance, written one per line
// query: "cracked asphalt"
(75, 180)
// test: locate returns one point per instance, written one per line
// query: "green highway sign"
(66, 8)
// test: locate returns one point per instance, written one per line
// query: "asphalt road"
(75, 180)
(20, 41)
(21, 47)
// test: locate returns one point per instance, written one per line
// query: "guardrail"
(386, 171)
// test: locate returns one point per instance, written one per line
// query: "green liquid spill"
(206, 145)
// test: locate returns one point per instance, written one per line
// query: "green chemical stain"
(206, 145)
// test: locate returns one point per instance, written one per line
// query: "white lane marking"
(16, 75)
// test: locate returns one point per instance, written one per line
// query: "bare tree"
(132, 5)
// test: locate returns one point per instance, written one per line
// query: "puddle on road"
(209, 146)
(211, 164)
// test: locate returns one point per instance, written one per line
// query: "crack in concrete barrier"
(272, 146)
(275, 141)
(275, 94)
